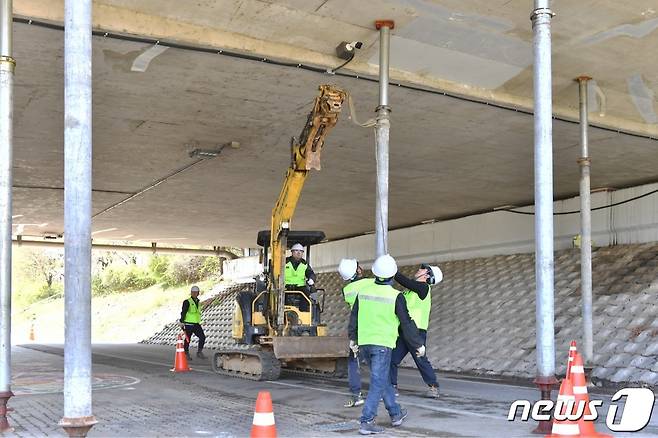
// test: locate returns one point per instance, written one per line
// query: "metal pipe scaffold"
(382, 128)
(543, 145)
(585, 224)
(7, 65)
(78, 417)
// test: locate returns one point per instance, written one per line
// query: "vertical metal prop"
(78, 418)
(543, 140)
(585, 224)
(382, 129)
(7, 65)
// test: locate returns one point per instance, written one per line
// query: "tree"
(47, 264)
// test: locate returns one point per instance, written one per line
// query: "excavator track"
(339, 372)
(258, 364)
(251, 364)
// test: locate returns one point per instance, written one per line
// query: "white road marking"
(427, 407)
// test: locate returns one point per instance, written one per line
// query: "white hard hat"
(297, 247)
(194, 289)
(435, 275)
(385, 266)
(347, 268)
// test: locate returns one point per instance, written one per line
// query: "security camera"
(346, 50)
(355, 44)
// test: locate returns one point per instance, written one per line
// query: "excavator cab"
(301, 345)
(303, 306)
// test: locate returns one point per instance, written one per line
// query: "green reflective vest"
(193, 315)
(296, 277)
(351, 290)
(378, 324)
(419, 310)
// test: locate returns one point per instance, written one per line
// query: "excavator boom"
(305, 155)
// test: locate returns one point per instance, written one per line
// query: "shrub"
(190, 269)
(54, 290)
(122, 279)
(98, 287)
(211, 267)
(158, 265)
(183, 270)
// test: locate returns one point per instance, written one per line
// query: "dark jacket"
(421, 288)
(186, 307)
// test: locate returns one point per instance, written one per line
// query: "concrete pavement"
(135, 395)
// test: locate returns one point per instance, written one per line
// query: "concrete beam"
(154, 249)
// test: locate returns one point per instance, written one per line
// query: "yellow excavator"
(276, 327)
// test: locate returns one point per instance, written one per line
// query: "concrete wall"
(499, 233)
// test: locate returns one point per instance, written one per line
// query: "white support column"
(543, 141)
(78, 417)
(7, 64)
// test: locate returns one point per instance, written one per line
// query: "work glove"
(310, 282)
(354, 347)
(420, 351)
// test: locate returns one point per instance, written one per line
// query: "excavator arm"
(305, 155)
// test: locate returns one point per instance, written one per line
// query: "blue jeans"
(379, 361)
(423, 364)
(353, 374)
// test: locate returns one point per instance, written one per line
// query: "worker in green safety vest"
(418, 296)
(351, 272)
(190, 321)
(378, 312)
(298, 273)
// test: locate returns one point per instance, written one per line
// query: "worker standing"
(351, 272)
(418, 296)
(378, 311)
(190, 321)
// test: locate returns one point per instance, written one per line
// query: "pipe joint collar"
(541, 12)
(7, 63)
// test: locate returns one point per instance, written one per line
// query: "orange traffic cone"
(580, 392)
(565, 427)
(572, 354)
(180, 360)
(263, 424)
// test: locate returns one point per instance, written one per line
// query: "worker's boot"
(200, 355)
(370, 428)
(188, 356)
(398, 419)
(354, 400)
(432, 392)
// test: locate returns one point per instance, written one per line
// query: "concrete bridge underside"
(469, 151)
